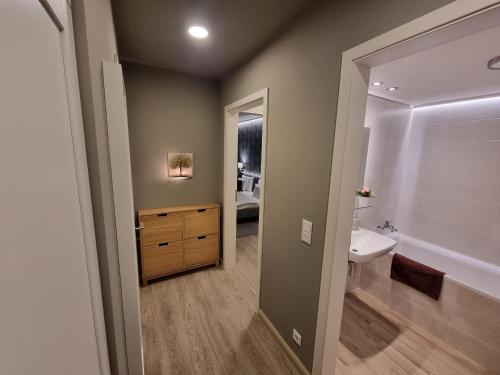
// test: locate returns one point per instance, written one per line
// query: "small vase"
(362, 202)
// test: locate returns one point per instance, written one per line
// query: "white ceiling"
(455, 70)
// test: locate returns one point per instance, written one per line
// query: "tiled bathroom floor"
(377, 341)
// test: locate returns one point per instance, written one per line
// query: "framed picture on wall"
(180, 165)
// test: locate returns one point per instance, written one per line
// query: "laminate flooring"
(374, 340)
(206, 322)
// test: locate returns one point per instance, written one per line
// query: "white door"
(119, 157)
(47, 319)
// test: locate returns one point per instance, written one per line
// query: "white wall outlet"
(307, 228)
(297, 337)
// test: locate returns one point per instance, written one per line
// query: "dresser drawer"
(161, 228)
(201, 250)
(201, 222)
(162, 258)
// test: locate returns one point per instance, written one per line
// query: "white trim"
(353, 92)
(82, 176)
(121, 177)
(387, 99)
(230, 160)
(383, 96)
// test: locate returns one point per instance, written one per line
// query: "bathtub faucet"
(387, 225)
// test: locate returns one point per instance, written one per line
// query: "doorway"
(450, 23)
(245, 136)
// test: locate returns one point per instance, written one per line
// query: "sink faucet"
(387, 225)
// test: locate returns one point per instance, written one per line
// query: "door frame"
(123, 199)
(230, 177)
(351, 108)
(61, 14)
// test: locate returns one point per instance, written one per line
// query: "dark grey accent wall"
(250, 145)
(302, 71)
(173, 112)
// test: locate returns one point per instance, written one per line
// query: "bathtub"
(475, 274)
(467, 314)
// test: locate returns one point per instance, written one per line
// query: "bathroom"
(431, 183)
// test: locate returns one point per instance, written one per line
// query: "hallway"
(205, 322)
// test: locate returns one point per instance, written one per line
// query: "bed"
(247, 204)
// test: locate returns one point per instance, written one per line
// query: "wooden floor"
(205, 322)
(377, 341)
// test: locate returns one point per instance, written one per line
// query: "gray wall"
(95, 41)
(302, 71)
(173, 112)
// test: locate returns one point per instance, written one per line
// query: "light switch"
(307, 228)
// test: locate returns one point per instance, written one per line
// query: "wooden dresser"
(176, 239)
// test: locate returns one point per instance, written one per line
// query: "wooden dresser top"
(167, 210)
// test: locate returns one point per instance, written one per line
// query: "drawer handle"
(202, 210)
(160, 215)
(163, 244)
(202, 237)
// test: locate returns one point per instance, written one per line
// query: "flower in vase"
(365, 192)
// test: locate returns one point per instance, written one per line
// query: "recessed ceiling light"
(377, 83)
(392, 88)
(198, 32)
(494, 63)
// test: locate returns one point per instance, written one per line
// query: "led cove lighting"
(198, 32)
(392, 88)
(458, 102)
(377, 83)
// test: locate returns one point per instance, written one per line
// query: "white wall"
(435, 171)
(389, 123)
(451, 186)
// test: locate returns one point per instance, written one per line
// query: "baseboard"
(291, 354)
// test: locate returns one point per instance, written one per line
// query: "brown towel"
(417, 275)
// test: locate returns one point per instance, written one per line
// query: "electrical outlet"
(306, 235)
(297, 337)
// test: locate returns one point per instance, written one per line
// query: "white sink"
(367, 245)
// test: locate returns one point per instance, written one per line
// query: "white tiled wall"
(436, 173)
(389, 124)
(451, 185)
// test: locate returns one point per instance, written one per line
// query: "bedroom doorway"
(249, 173)
(245, 136)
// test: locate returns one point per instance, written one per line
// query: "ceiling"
(154, 32)
(451, 71)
